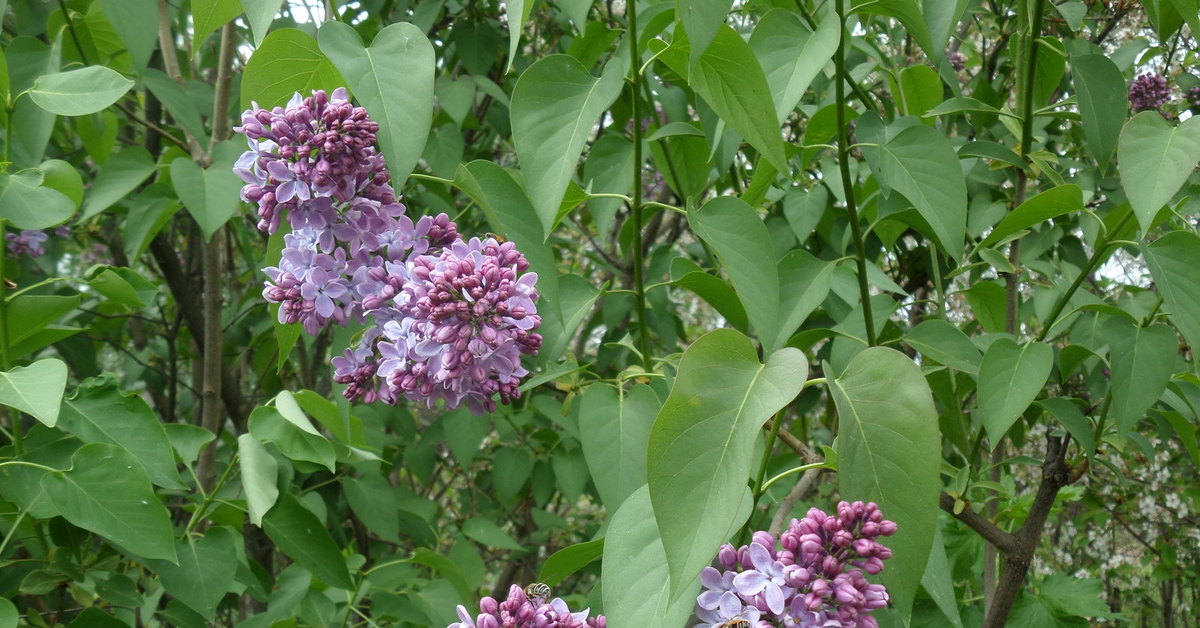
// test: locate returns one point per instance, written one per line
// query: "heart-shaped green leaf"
(209, 194)
(79, 92)
(36, 390)
(205, 572)
(1173, 260)
(27, 204)
(1154, 159)
(1010, 378)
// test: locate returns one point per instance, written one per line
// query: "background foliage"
(945, 212)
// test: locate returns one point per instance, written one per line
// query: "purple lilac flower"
(813, 577)
(958, 61)
(1193, 99)
(448, 319)
(27, 242)
(519, 611)
(1148, 91)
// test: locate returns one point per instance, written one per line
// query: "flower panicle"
(519, 610)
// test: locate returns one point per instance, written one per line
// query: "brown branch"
(1006, 542)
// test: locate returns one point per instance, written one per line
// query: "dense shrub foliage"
(482, 313)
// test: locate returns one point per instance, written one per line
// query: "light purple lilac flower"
(519, 611)
(1193, 99)
(814, 576)
(28, 242)
(447, 319)
(1148, 91)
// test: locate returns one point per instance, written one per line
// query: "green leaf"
(136, 23)
(259, 475)
(205, 572)
(909, 14)
(804, 283)
(920, 164)
(393, 79)
(298, 533)
(489, 534)
(1102, 103)
(518, 13)
(36, 390)
(260, 14)
(942, 341)
(179, 104)
(702, 442)
(962, 104)
(714, 290)
(287, 61)
(107, 491)
(63, 177)
(99, 412)
(296, 439)
(889, 451)
(636, 582)
(8, 614)
(26, 204)
(734, 230)
(511, 468)
(187, 440)
(1142, 360)
(1074, 597)
(210, 195)
(1070, 417)
(729, 78)
(1010, 378)
(121, 174)
(569, 560)
(1173, 260)
(941, 17)
(374, 502)
(614, 427)
(791, 55)
(149, 212)
(209, 15)
(1052, 203)
(921, 89)
(702, 19)
(1154, 160)
(938, 579)
(79, 92)
(446, 569)
(555, 106)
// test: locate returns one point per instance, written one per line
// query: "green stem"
(800, 469)
(198, 514)
(639, 280)
(12, 531)
(17, 437)
(843, 141)
(22, 463)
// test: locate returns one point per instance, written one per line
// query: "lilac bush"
(814, 576)
(447, 319)
(522, 611)
(1148, 91)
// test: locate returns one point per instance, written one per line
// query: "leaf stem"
(843, 142)
(23, 463)
(800, 469)
(639, 280)
(209, 496)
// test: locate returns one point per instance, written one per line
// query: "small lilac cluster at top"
(1148, 91)
(523, 611)
(450, 318)
(815, 580)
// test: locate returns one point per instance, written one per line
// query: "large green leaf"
(942, 341)
(941, 18)
(909, 14)
(205, 572)
(734, 230)
(1142, 360)
(614, 427)
(729, 78)
(136, 23)
(1010, 378)
(287, 61)
(1173, 260)
(79, 92)
(28, 58)
(1154, 159)
(260, 14)
(570, 560)
(702, 442)
(1052, 203)
(393, 79)
(636, 581)
(1102, 103)
(121, 174)
(99, 412)
(36, 390)
(889, 452)
(518, 13)
(9, 617)
(701, 19)
(27, 204)
(107, 491)
(555, 106)
(259, 477)
(298, 533)
(920, 164)
(791, 55)
(373, 501)
(297, 440)
(209, 194)
(209, 15)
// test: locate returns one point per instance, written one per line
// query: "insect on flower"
(736, 622)
(542, 590)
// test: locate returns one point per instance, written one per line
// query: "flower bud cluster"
(1148, 91)
(449, 319)
(522, 611)
(814, 576)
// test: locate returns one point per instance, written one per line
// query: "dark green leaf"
(518, 13)
(180, 105)
(1102, 103)
(489, 534)
(1010, 378)
(210, 195)
(804, 283)
(1052, 203)
(614, 427)
(295, 436)
(205, 572)
(889, 450)
(569, 560)
(510, 471)
(920, 164)
(1142, 359)
(287, 61)
(62, 176)
(121, 174)
(1068, 414)
(791, 55)
(942, 341)
(701, 19)
(373, 501)
(298, 533)
(209, 15)
(714, 290)
(1173, 260)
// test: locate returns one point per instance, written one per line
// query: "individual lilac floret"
(1193, 99)
(814, 576)
(459, 324)
(519, 611)
(27, 242)
(1148, 91)
(958, 61)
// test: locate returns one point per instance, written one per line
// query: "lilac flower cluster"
(450, 318)
(27, 242)
(1148, 91)
(522, 611)
(816, 578)
(1193, 99)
